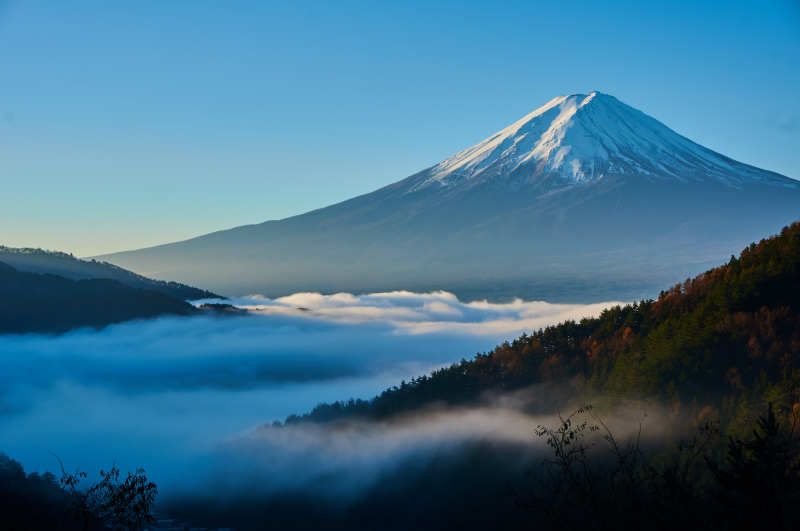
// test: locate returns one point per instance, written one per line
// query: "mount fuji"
(585, 198)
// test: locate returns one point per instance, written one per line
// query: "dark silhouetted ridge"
(65, 265)
(32, 302)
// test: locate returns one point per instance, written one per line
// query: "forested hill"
(65, 265)
(31, 302)
(729, 338)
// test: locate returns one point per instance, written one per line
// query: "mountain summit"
(585, 198)
(582, 138)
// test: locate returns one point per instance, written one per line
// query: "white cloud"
(422, 313)
(165, 393)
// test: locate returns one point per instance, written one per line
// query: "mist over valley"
(400, 266)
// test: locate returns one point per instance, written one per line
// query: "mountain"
(583, 199)
(44, 303)
(67, 266)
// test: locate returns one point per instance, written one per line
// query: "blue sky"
(128, 124)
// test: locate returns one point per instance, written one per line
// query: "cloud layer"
(422, 313)
(168, 393)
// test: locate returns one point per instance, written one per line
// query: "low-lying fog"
(174, 394)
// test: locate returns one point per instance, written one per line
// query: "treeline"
(728, 339)
(32, 501)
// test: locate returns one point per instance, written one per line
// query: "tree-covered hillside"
(729, 338)
(31, 302)
(65, 265)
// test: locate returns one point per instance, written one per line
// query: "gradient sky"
(126, 124)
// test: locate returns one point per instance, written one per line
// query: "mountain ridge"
(35, 260)
(44, 303)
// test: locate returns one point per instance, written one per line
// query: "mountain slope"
(43, 303)
(66, 265)
(586, 198)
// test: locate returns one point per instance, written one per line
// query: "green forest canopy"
(727, 339)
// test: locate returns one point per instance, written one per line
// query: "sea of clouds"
(421, 313)
(175, 394)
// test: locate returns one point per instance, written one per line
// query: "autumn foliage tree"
(729, 338)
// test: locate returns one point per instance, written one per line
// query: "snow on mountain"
(584, 138)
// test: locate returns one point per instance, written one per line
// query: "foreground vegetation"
(595, 481)
(71, 502)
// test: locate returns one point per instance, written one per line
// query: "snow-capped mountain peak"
(583, 138)
(581, 196)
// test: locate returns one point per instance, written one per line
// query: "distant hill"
(45, 303)
(728, 339)
(584, 199)
(67, 266)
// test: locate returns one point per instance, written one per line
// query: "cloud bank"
(421, 313)
(340, 459)
(170, 394)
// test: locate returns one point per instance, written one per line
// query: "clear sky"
(126, 124)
